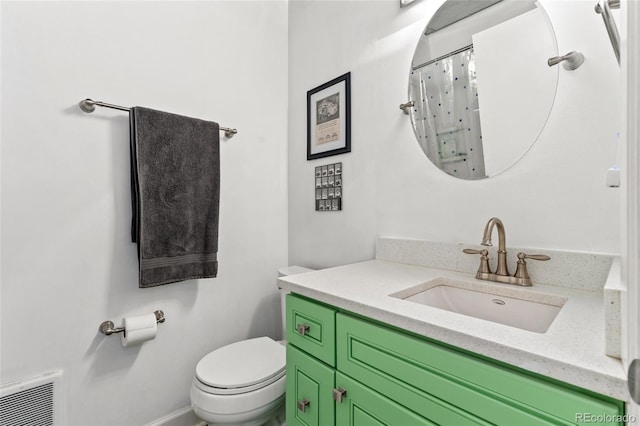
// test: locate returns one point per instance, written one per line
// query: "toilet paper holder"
(108, 327)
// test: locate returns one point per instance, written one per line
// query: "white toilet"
(244, 383)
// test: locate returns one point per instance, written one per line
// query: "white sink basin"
(515, 307)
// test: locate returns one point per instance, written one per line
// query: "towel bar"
(604, 7)
(89, 105)
(108, 327)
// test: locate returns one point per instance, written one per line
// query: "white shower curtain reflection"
(446, 117)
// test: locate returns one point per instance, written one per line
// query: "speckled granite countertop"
(572, 350)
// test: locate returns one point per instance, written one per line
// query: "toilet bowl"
(243, 383)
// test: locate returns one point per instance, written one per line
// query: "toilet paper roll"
(138, 329)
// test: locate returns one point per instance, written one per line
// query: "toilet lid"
(242, 364)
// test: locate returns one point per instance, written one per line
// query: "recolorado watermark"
(605, 418)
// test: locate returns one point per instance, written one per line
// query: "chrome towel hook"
(570, 61)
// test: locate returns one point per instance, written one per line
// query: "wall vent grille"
(31, 402)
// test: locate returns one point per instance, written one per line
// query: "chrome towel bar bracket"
(406, 107)
(109, 328)
(89, 105)
(570, 61)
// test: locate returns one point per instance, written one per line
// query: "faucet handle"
(522, 256)
(484, 260)
(474, 251)
(521, 266)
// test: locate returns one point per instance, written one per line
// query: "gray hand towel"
(175, 192)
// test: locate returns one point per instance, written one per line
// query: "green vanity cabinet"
(392, 377)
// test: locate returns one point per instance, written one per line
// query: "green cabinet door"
(309, 384)
(362, 406)
(454, 388)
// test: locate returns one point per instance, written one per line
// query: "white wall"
(554, 198)
(67, 263)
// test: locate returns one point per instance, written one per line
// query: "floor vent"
(33, 402)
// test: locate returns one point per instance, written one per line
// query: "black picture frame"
(329, 118)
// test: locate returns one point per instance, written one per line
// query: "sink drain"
(498, 301)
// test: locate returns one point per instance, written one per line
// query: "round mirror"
(480, 84)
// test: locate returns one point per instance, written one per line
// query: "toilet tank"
(283, 272)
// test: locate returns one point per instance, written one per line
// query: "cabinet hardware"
(302, 329)
(302, 405)
(338, 394)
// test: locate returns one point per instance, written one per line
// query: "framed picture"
(329, 118)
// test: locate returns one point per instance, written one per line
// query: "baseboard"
(182, 417)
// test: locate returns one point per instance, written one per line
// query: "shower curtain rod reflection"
(439, 58)
(89, 105)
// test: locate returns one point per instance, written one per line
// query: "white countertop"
(572, 350)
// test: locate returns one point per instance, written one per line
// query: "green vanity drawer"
(309, 383)
(438, 383)
(311, 327)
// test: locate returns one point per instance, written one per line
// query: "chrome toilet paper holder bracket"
(108, 327)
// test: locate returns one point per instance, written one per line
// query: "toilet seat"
(236, 391)
(241, 367)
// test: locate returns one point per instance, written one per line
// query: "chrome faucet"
(501, 275)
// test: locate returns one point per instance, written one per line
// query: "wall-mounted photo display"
(329, 119)
(328, 187)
